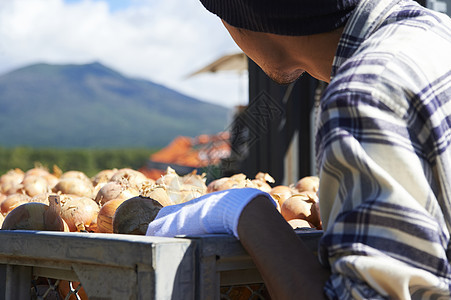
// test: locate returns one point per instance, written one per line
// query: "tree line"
(89, 161)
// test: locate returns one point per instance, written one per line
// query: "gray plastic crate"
(113, 266)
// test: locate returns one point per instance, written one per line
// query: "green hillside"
(90, 105)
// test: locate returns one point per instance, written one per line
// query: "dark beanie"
(285, 17)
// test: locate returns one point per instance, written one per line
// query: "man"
(383, 150)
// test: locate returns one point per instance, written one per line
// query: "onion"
(17, 189)
(134, 215)
(12, 178)
(115, 190)
(74, 186)
(80, 213)
(13, 201)
(316, 217)
(105, 216)
(281, 193)
(261, 181)
(183, 195)
(240, 181)
(234, 182)
(133, 177)
(308, 183)
(34, 185)
(220, 184)
(44, 173)
(261, 185)
(2, 197)
(37, 171)
(52, 180)
(264, 177)
(167, 178)
(238, 177)
(195, 181)
(76, 174)
(179, 188)
(298, 206)
(103, 176)
(157, 192)
(43, 198)
(36, 216)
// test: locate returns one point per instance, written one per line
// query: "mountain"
(91, 105)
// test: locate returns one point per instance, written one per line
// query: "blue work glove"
(216, 212)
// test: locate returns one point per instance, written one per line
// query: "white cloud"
(159, 40)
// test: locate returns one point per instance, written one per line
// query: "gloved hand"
(217, 212)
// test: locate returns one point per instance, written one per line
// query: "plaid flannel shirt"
(384, 155)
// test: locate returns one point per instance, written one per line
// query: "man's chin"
(285, 80)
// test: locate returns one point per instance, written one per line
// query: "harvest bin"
(116, 266)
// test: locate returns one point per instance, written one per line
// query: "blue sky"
(158, 40)
(114, 5)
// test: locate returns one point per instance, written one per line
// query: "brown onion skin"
(134, 215)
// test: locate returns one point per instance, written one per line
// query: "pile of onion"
(126, 201)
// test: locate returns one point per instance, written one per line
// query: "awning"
(233, 62)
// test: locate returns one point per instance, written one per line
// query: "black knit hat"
(285, 17)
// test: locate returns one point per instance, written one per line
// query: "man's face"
(263, 49)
